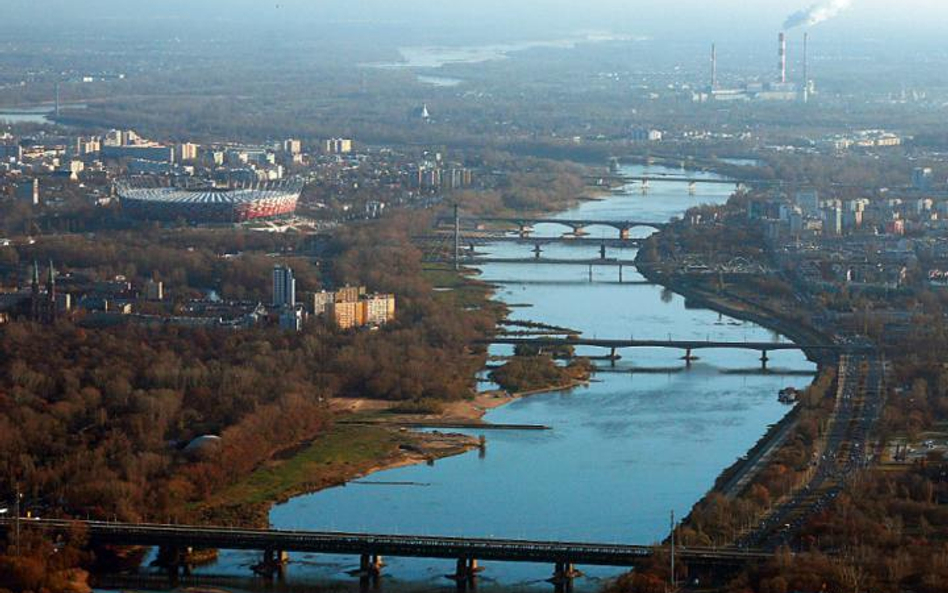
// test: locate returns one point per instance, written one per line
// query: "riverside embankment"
(621, 452)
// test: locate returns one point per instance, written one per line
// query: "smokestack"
(806, 67)
(714, 67)
(782, 53)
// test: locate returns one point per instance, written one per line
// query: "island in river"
(623, 451)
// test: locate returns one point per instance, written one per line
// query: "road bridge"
(525, 224)
(688, 346)
(691, 181)
(533, 241)
(473, 261)
(371, 548)
(683, 179)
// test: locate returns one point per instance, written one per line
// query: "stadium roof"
(175, 195)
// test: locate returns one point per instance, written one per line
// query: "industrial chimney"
(806, 68)
(782, 53)
(714, 68)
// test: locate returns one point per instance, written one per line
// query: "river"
(39, 114)
(622, 453)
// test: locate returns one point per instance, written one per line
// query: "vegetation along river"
(622, 453)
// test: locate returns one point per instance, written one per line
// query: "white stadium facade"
(210, 204)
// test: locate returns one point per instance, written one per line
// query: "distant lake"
(33, 115)
(442, 81)
(431, 57)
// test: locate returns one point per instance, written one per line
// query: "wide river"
(622, 453)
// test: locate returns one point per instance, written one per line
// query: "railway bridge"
(371, 548)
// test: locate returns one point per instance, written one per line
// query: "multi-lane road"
(846, 449)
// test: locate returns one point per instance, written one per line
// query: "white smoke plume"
(817, 13)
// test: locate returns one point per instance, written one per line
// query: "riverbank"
(371, 435)
(741, 302)
(368, 437)
(345, 453)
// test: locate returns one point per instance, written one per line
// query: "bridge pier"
(602, 251)
(620, 273)
(689, 358)
(175, 560)
(465, 573)
(273, 564)
(563, 576)
(764, 359)
(371, 564)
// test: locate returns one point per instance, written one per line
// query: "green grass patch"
(332, 458)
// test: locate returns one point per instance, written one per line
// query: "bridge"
(688, 346)
(645, 179)
(473, 261)
(526, 223)
(370, 548)
(691, 181)
(479, 240)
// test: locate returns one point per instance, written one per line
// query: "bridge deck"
(678, 179)
(678, 344)
(387, 545)
(569, 222)
(548, 261)
(533, 240)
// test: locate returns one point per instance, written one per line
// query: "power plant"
(779, 89)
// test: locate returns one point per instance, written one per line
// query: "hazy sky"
(529, 17)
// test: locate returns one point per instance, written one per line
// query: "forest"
(94, 421)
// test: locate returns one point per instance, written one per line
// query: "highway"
(859, 403)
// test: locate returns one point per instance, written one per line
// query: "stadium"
(208, 204)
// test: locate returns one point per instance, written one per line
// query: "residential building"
(186, 152)
(291, 319)
(347, 314)
(922, 178)
(379, 308)
(349, 294)
(28, 192)
(284, 287)
(337, 146)
(154, 290)
(292, 146)
(321, 301)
